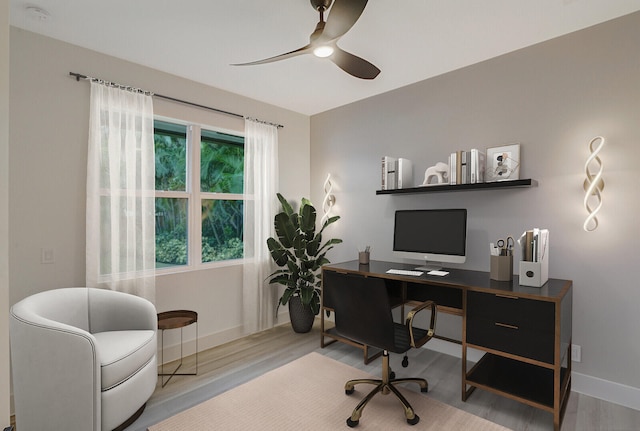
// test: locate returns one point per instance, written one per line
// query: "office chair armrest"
(432, 326)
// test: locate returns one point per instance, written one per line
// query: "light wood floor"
(232, 364)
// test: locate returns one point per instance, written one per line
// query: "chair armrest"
(432, 326)
(52, 359)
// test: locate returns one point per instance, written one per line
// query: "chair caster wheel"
(405, 362)
(425, 390)
(349, 391)
(352, 423)
(392, 375)
(413, 421)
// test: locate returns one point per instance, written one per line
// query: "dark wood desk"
(524, 332)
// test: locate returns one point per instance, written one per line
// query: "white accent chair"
(82, 359)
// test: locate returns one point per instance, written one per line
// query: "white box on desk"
(534, 274)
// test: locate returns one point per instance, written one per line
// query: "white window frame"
(195, 197)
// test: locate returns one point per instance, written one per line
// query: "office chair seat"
(363, 314)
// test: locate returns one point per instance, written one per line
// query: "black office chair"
(363, 314)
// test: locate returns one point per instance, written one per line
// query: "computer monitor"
(434, 236)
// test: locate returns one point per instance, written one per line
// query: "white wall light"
(593, 185)
(328, 201)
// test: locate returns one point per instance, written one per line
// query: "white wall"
(552, 98)
(4, 213)
(49, 131)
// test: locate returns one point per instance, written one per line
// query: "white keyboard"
(404, 272)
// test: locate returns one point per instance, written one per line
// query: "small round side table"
(175, 319)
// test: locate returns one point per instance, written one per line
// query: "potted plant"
(299, 252)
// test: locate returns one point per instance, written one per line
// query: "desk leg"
(465, 394)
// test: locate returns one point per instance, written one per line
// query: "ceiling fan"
(323, 41)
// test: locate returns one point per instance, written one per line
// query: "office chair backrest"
(362, 310)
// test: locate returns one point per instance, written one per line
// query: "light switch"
(47, 256)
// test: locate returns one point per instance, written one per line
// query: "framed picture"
(503, 163)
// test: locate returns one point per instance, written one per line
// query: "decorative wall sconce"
(329, 200)
(593, 185)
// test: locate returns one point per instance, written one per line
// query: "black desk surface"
(553, 289)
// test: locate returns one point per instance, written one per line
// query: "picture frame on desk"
(502, 163)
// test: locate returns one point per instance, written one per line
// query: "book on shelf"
(453, 170)
(389, 179)
(460, 167)
(404, 173)
(477, 166)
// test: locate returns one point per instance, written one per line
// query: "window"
(199, 194)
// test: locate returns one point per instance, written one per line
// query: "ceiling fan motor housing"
(321, 4)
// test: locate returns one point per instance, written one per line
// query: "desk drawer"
(519, 326)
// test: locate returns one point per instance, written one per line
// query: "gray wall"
(4, 212)
(48, 139)
(553, 98)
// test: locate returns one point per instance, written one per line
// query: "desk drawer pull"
(504, 325)
(506, 296)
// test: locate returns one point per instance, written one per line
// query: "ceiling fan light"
(323, 51)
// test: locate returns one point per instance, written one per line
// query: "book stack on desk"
(534, 267)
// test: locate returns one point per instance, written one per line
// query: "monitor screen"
(438, 235)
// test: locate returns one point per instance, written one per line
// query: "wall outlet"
(576, 353)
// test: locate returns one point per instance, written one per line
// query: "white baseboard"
(172, 348)
(172, 351)
(617, 393)
(606, 390)
(452, 349)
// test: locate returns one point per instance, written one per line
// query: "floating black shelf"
(460, 187)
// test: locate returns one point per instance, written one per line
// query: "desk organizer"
(536, 273)
(501, 268)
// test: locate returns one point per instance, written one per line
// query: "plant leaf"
(285, 229)
(286, 207)
(279, 254)
(308, 220)
(300, 246)
(330, 243)
(313, 246)
(329, 221)
(286, 295)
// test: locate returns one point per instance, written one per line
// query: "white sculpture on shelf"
(440, 172)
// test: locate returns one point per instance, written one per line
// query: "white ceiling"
(409, 40)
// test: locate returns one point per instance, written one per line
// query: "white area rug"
(308, 394)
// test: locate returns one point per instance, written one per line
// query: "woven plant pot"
(301, 317)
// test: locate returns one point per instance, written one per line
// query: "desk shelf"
(515, 379)
(461, 187)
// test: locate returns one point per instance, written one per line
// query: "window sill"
(200, 267)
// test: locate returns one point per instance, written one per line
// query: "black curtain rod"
(80, 76)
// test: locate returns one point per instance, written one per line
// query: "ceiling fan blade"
(354, 65)
(304, 50)
(342, 16)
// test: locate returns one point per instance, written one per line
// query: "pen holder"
(502, 268)
(363, 257)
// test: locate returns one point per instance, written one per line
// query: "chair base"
(132, 419)
(385, 386)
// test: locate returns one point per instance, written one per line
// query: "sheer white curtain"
(261, 203)
(120, 192)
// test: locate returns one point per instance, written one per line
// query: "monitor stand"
(430, 266)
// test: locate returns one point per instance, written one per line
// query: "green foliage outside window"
(221, 171)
